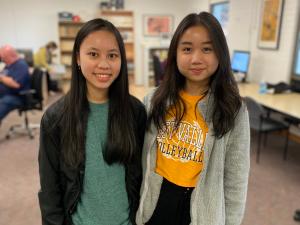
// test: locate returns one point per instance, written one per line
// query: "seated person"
(43, 59)
(13, 79)
(158, 73)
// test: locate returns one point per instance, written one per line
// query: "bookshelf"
(67, 33)
(124, 21)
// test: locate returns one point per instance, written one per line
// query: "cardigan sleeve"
(237, 165)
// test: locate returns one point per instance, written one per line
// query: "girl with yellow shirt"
(196, 149)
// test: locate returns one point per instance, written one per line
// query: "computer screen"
(240, 61)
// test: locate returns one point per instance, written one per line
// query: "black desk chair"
(297, 215)
(33, 100)
(261, 122)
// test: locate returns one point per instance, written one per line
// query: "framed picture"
(220, 10)
(269, 28)
(157, 25)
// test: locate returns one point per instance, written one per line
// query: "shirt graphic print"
(180, 151)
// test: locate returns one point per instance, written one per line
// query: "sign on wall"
(157, 25)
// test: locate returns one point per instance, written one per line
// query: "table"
(285, 103)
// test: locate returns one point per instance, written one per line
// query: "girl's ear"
(78, 59)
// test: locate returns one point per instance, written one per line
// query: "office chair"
(158, 73)
(297, 215)
(33, 100)
(261, 122)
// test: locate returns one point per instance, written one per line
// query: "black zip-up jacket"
(61, 185)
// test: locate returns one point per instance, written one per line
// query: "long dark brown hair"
(223, 86)
(121, 140)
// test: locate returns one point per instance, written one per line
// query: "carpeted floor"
(274, 185)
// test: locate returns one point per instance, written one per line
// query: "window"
(296, 67)
(221, 11)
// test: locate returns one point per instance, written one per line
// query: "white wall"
(32, 23)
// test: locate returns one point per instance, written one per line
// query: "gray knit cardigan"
(220, 195)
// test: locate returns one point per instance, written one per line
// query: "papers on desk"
(58, 68)
(57, 71)
(239, 77)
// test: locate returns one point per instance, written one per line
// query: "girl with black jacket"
(91, 139)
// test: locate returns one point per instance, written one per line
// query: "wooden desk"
(285, 103)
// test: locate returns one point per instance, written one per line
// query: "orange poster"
(270, 23)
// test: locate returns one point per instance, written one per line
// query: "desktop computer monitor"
(240, 62)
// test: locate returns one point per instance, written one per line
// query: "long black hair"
(121, 141)
(223, 86)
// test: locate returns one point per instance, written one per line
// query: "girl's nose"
(103, 64)
(197, 57)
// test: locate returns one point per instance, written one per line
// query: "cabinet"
(124, 21)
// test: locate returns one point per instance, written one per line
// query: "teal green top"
(103, 200)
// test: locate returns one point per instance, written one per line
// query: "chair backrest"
(256, 111)
(36, 100)
(36, 83)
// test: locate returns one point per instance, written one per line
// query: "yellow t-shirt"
(180, 153)
(40, 58)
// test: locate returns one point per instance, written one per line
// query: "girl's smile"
(196, 71)
(102, 77)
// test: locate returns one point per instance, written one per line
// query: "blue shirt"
(19, 71)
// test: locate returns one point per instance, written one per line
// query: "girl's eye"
(113, 55)
(93, 54)
(207, 49)
(187, 50)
